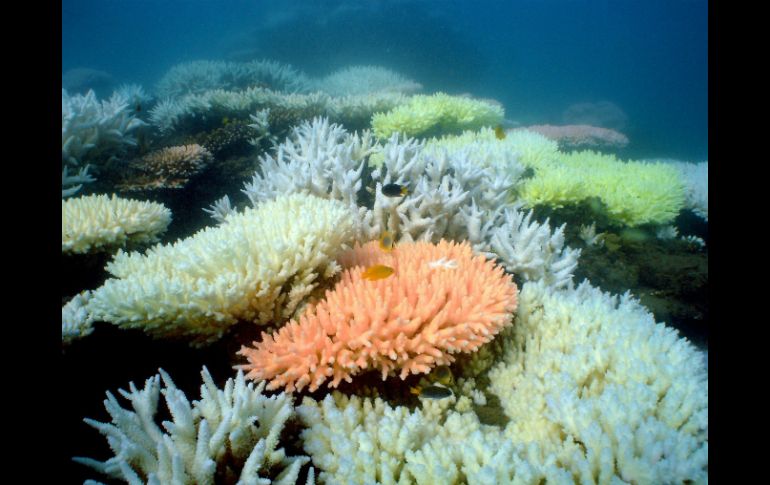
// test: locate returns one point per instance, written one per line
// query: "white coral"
(259, 265)
(98, 222)
(76, 322)
(604, 392)
(236, 427)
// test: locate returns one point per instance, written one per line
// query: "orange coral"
(441, 299)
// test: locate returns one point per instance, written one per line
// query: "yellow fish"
(386, 241)
(443, 375)
(499, 132)
(377, 272)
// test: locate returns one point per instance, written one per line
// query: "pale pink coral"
(580, 136)
(442, 299)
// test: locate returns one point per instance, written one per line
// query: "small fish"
(395, 190)
(386, 241)
(225, 121)
(499, 132)
(377, 272)
(431, 392)
(443, 375)
(138, 107)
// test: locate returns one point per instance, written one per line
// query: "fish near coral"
(386, 241)
(499, 132)
(377, 272)
(395, 190)
(400, 326)
(431, 392)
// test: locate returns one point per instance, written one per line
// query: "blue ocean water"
(537, 57)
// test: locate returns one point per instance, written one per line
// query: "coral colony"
(384, 234)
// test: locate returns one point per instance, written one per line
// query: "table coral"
(411, 321)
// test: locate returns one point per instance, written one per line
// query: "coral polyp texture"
(169, 167)
(441, 300)
(101, 223)
(633, 193)
(423, 114)
(258, 266)
(604, 391)
(230, 433)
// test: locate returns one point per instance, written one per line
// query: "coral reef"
(199, 76)
(75, 320)
(67, 180)
(259, 265)
(633, 193)
(229, 434)
(570, 137)
(355, 80)
(92, 130)
(440, 300)
(423, 114)
(170, 168)
(604, 391)
(101, 223)
(458, 194)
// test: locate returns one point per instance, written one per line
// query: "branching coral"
(604, 391)
(170, 167)
(442, 299)
(75, 320)
(422, 114)
(259, 266)
(98, 222)
(93, 131)
(228, 432)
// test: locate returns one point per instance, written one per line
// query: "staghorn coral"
(457, 193)
(442, 299)
(259, 265)
(229, 434)
(423, 114)
(82, 177)
(94, 131)
(169, 168)
(101, 223)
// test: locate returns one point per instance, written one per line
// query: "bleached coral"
(319, 158)
(405, 324)
(261, 126)
(457, 193)
(359, 440)
(601, 391)
(220, 209)
(98, 222)
(93, 130)
(76, 322)
(525, 247)
(231, 431)
(259, 265)
(364, 80)
(422, 114)
(82, 177)
(590, 237)
(200, 76)
(696, 181)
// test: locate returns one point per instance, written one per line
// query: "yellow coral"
(439, 111)
(634, 193)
